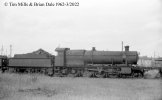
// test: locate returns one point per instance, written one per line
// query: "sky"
(94, 23)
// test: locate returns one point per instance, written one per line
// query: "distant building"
(40, 53)
(149, 62)
(158, 62)
(145, 61)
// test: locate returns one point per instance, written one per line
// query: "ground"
(40, 87)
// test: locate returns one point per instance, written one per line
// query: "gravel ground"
(39, 87)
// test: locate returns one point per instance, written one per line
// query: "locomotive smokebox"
(126, 48)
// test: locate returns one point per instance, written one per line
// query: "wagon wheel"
(140, 75)
(78, 74)
(70, 75)
(73, 73)
(133, 75)
(137, 75)
(63, 73)
(99, 74)
(87, 74)
(50, 73)
(106, 75)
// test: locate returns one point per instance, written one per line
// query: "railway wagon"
(97, 63)
(0, 62)
(2, 59)
(3, 63)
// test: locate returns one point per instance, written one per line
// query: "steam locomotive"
(76, 63)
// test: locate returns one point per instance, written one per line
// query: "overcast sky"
(94, 23)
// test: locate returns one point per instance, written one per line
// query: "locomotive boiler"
(81, 57)
(111, 57)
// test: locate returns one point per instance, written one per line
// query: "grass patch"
(40, 87)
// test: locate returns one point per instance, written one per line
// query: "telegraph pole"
(10, 50)
(2, 50)
(122, 46)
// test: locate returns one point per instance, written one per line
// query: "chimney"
(126, 48)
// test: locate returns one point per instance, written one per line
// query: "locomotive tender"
(86, 63)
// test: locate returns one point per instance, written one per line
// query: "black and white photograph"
(80, 49)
